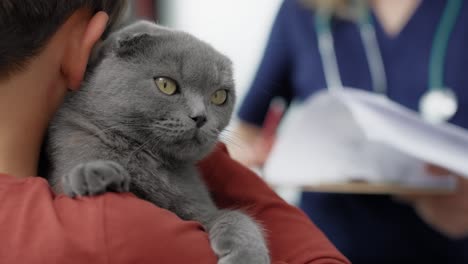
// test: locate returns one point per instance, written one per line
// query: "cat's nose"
(200, 120)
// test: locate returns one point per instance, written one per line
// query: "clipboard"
(328, 140)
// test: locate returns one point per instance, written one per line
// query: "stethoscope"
(439, 103)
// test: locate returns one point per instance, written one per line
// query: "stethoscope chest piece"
(438, 105)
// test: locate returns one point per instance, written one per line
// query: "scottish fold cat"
(153, 104)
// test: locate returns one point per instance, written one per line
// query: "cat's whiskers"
(162, 127)
(232, 138)
(123, 126)
(172, 130)
(232, 133)
(134, 152)
(231, 142)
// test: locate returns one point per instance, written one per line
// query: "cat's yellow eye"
(219, 97)
(166, 85)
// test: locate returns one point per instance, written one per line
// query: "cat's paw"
(96, 177)
(247, 256)
(236, 238)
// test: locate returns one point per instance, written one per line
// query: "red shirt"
(38, 227)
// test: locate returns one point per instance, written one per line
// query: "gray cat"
(154, 103)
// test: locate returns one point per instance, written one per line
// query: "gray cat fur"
(119, 131)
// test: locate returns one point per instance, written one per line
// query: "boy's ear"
(79, 52)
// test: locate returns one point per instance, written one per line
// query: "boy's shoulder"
(39, 227)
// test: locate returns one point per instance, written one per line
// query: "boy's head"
(27, 25)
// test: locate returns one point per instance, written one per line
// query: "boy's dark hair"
(27, 25)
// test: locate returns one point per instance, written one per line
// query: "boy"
(43, 52)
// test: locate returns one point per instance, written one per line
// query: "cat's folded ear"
(122, 45)
(130, 46)
(129, 41)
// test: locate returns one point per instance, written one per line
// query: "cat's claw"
(96, 177)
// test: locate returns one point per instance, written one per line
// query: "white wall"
(237, 28)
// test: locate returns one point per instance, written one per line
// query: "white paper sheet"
(356, 135)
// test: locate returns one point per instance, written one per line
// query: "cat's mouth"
(193, 137)
(198, 137)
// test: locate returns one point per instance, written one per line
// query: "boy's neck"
(28, 100)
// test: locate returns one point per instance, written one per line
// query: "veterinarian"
(410, 50)
(44, 49)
